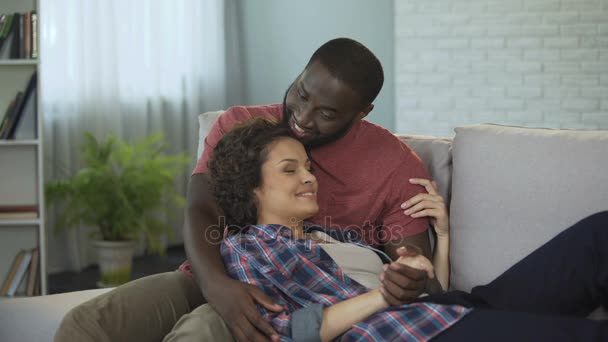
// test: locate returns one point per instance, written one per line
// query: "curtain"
(131, 68)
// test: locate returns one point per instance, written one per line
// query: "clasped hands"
(405, 279)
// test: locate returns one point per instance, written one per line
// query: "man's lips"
(299, 131)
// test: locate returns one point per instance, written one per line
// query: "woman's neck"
(296, 225)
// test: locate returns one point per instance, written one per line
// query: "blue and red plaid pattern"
(297, 273)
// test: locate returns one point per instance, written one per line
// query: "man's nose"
(304, 118)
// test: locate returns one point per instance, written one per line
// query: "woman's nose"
(309, 178)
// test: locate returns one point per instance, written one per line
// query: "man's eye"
(289, 171)
(311, 169)
(326, 116)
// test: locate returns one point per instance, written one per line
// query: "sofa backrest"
(514, 188)
(436, 154)
(509, 189)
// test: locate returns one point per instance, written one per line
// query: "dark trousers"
(544, 297)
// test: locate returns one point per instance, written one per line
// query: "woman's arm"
(441, 260)
(311, 323)
(340, 317)
(433, 206)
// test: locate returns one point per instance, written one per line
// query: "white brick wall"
(538, 63)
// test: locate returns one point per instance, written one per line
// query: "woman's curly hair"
(235, 168)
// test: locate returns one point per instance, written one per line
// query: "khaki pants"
(162, 307)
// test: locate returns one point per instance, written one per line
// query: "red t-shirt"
(363, 177)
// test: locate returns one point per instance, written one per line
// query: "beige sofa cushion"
(514, 189)
(37, 318)
(436, 154)
(205, 121)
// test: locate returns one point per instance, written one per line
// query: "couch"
(509, 190)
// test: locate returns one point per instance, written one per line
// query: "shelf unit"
(21, 161)
(19, 62)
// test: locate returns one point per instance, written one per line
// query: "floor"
(142, 266)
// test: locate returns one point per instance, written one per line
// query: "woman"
(326, 280)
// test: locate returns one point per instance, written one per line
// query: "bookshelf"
(21, 168)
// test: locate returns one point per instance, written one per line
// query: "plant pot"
(115, 261)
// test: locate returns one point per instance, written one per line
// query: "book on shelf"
(18, 212)
(7, 115)
(11, 273)
(16, 273)
(23, 107)
(19, 275)
(34, 34)
(33, 274)
(27, 127)
(15, 51)
(18, 35)
(5, 30)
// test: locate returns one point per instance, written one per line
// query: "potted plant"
(123, 190)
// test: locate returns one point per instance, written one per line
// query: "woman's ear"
(257, 192)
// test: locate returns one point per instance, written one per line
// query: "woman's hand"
(417, 261)
(429, 205)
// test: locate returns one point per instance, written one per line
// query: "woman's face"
(288, 191)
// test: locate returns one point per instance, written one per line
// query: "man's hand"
(236, 303)
(401, 284)
(418, 261)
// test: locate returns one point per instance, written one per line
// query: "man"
(363, 171)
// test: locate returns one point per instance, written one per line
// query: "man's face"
(320, 108)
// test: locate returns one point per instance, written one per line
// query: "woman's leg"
(567, 275)
(202, 324)
(144, 310)
(497, 326)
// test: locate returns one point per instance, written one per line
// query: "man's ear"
(363, 113)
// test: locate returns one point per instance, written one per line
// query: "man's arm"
(234, 301)
(203, 234)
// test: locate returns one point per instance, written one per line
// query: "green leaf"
(121, 189)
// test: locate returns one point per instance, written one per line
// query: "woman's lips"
(308, 194)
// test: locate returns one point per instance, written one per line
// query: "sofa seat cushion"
(37, 318)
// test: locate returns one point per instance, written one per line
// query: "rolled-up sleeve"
(306, 323)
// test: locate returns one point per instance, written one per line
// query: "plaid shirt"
(299, 273)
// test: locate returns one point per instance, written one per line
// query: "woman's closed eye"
(309, 169)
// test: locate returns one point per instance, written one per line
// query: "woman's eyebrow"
(291, 160)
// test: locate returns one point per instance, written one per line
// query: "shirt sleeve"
(306, 323)
(397, 225)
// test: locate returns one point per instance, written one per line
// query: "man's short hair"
(352, 63)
